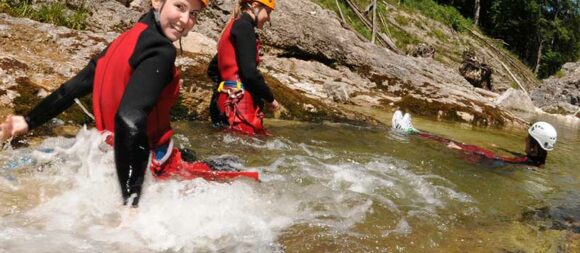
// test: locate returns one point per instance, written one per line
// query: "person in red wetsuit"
(134, 84)
(237, 102)
(541, 138)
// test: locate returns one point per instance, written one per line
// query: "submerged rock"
(558, 218)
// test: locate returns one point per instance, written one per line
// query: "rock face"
(422, 86)
(560, 94)
(42, 54)
(313, 64)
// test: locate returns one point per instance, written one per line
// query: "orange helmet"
(205, 3)
(268, 3)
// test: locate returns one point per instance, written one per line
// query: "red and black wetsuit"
(134, 84)
(237, 60)
(477, 154)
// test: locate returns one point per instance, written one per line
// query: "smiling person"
(134, 84)
(238, 99)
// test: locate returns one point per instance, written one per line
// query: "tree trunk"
(539, 57)
(477, 8)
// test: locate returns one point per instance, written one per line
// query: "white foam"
(173, 216)
(79, 207)
(269, 144)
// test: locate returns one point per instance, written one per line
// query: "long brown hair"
(534, 151)
(238, 9)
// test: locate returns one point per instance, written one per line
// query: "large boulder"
(560, 93)
(517, 101)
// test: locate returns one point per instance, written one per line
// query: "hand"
(453, 145)
(275, 105)
(13, 126)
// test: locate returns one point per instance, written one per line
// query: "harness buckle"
(235, 94)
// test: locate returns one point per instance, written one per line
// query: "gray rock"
(560, 94)
(516, 100)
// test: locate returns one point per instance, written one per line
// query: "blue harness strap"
(230, 84)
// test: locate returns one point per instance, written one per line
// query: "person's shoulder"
(151, 40)
(242, 24)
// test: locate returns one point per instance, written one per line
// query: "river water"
(325, 188)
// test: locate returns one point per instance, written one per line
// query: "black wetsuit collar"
(149, 19)
(249, 18)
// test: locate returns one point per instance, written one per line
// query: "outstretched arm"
(51, 106)
(63, 97)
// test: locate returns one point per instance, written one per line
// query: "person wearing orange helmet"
(134, 83)
(239, 97)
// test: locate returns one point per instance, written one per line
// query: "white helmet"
(545, 134)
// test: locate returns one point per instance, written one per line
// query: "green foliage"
(54, 13)
(445, 14)
(402, 20)
(402, 38)
(350, 16)
(439, 35)
(524, 25)
(527, 26)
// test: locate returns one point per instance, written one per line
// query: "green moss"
(402, 38)
(438, 34)
(419, 24)
(351, 18)
(445, 14)
(54, 13)
(402, 20)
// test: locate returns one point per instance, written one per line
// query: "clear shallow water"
(325, 188)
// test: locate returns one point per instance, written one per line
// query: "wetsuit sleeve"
(244, 39)
(63, 97)
(213, 71)
(153, 64)
(512, 152)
